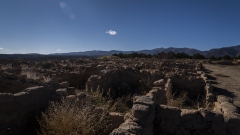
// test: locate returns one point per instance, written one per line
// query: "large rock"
(140, 111)
(132, 127)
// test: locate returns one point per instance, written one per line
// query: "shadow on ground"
(220, 91)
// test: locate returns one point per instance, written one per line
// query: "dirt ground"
(225, 80)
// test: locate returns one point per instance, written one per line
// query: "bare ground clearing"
(226, 80)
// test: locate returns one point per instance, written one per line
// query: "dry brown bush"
(72, 118)
(176, 100)
(121, 104)
(179, 100)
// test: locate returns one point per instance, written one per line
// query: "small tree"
(226, 57)
(213, 58)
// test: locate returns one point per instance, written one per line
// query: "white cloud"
(1, 48)
(111, 32)
(62, 5)
(59, 50)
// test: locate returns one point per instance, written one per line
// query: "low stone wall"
(151, 116)
(15, 109)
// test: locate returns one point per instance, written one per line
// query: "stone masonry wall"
(151, 116)
(16, 108)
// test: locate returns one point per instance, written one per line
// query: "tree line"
(174, 55)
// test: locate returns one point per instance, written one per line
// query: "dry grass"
(72, 118)
(35, 76)
(181, 99)
(176, 100)
(146, 85)
(6, 66)
(118, 105)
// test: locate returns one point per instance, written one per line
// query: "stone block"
(61, 92)
(64, 85)
(140, 111)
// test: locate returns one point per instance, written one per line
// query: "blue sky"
(56, 26)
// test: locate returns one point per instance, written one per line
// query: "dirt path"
(226, 80)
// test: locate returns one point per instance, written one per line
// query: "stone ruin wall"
(149, 113)
(151, 116)
(16, 108)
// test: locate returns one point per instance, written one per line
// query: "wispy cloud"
(59, 50)
(1, 48)
(111, 32)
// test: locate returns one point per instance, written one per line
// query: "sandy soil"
(225, 80)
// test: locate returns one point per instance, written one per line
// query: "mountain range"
(232, 51)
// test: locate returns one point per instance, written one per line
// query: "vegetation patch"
(74, 118)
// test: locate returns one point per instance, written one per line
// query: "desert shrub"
(121, 104)
(6, 66)
(181, 100)
(145, 85)
(176, 100)
(31, 74)
(226, 57)
(198, 56)
(68, 118)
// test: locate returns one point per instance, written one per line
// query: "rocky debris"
(230, 114)
(149, 113)
(15, 108)
(64, 85)
(140, 120)
(159, 82)
(158, 95)
(163, 119)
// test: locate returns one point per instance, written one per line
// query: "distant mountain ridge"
(232, 51)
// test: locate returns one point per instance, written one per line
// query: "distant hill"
(232, 51)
